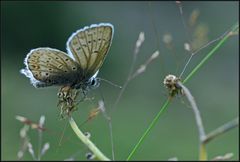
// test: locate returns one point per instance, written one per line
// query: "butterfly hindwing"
(47, 66)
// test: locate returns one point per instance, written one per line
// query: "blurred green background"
(28, 25)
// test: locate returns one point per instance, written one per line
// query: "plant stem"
(222, 129)
(202, 152)
(199, 123)
(234, 28)
(99, 155)
(149, 128)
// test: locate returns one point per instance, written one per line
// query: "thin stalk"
(91, 146)
(202, 152)
(149, 128)
(199, 123)
(235, 27)
(222, 129)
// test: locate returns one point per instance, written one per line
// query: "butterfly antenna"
(111, 83)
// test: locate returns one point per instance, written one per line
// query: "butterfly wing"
(47, 66)
(89, 47)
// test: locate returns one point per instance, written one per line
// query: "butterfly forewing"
(47, 66)
(89, 47)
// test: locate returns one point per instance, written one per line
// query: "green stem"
(99, 155)
(234, 28)
(149, 128)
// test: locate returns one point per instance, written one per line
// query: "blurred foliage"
(27, 25)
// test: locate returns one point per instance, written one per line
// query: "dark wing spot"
(47, 74)
(50, 69)
(66, 59)
(74, 68)
(65, 71)
(57, 58)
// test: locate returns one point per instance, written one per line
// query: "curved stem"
(99, 155)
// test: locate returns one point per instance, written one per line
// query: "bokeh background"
(28, 25)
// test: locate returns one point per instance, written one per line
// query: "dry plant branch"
(202, 135)
(203, 138)
(221, 130)
(26, 144)
(195, 109)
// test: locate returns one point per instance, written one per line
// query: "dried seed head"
(171, 83)
(187, 47)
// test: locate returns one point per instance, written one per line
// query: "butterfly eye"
(93, 82)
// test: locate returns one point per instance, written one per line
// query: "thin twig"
(139, 42)
(202, 47)
(183, 21)
(222, 129)
(41, 123)
(153, 18)
(213, 51)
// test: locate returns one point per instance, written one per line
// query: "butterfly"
(77, 69)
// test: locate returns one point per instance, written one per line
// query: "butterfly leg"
(67, 96)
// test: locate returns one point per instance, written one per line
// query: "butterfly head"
(89, 84)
